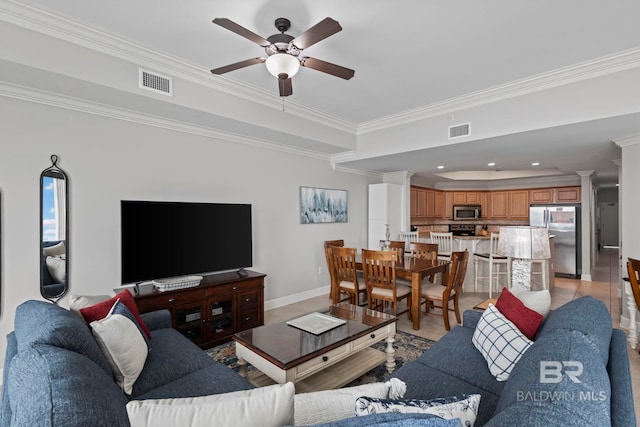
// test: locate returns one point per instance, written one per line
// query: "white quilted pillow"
(258, 407)
(333, 405)
(500, 342)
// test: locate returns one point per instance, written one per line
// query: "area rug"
(408, 347)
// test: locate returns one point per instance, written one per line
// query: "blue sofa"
(55, 374)
(579, 331)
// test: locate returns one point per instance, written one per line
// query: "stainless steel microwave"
(466, 212)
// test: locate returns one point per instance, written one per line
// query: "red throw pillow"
(525, 319)
(101, 310)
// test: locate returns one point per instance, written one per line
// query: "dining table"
(416, 269)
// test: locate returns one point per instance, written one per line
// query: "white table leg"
(242, 365)
(391, 354)
(631, 304)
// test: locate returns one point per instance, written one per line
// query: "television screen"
(170, 239)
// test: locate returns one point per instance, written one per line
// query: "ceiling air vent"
(458, 131)
(155, 82)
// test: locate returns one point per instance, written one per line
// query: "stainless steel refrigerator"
(563, 222)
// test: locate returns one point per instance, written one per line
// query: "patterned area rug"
(408, 347)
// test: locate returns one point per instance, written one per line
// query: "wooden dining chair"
(439, 296)
(633, 268)
(380, 277)
(334, 294)
(346, 276)
(396, 246)
(424, 251)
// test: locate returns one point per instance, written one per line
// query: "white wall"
(108, 160)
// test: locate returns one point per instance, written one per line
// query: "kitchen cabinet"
(425, 203)
(567, 195)
(512, 204)
(554, 195)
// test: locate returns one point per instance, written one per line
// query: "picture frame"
(323, 205)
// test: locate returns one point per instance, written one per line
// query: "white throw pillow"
(539, 301)
(55, 250)
(333, 405)
(78, 302)
(463, 408)
(123, 344)
(500, 342)
(57, 267)
(259, 407)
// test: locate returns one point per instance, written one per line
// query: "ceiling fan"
(283, 51)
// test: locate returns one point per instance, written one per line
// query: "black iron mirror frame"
(54, 293)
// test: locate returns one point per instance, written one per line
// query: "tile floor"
(603, 287)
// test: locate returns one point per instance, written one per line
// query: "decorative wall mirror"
(54, 231)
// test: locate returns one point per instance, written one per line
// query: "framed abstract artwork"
(322, 205)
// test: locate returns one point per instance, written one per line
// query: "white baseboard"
(290, 299)
(585, 277)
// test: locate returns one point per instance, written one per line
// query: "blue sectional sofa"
(580, 331)
(55, 373)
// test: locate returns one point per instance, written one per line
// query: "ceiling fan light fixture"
(282, 63)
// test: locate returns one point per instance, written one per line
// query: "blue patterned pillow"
(463, 407)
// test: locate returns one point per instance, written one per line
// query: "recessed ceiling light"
(440, 167)
(535, 164)
(491, 164)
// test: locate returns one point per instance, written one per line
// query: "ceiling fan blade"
(323, 29)
(241, 31)
(285, 86)
(327, 67)
(238, 65)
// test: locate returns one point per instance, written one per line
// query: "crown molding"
(627, 140)
(52, 25)
(70, 103)
(575, 73)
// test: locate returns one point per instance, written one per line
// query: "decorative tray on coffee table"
(316, 323)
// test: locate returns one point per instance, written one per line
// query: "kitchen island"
(481, 244)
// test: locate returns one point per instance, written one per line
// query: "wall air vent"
(155, 82)
(458, 131)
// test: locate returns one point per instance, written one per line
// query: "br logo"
(551, 371)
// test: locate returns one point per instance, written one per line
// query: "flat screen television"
(171, 239)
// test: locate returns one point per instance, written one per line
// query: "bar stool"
(494, 260)
(445, 244)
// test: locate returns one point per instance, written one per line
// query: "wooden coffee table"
(325, 361)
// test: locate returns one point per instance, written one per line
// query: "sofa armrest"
(158, 319)
(622, 408)
(470, 318)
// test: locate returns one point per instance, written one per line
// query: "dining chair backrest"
(459, 261)
(424, 250)
(396, 246)
(327, 250)
(493, 249)
(408, 237)
(444, 242)
(344, 264)
(379, 269)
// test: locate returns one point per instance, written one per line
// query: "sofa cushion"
(393, 419)
(587, 315)
(173, 356)
(539, 301)
(541, 389)
(259, 407)
(101, 310)
(463, 407)
(500, 342)
(213, 379)
(39, 322)
(425, 382)
(52, 386)
(526, 319)
(123, 344)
